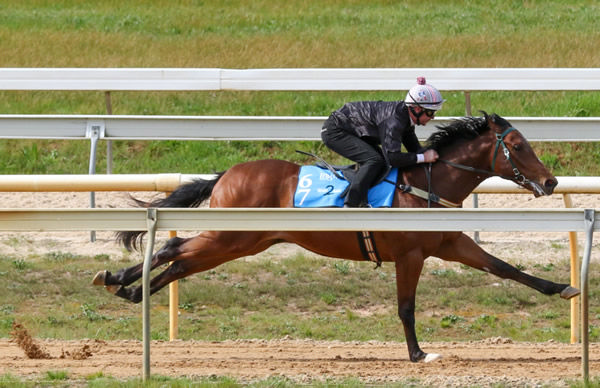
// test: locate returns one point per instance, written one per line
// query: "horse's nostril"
(550, 183)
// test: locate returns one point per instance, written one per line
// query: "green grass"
(301, 296)
(299, 34)
(225, 382)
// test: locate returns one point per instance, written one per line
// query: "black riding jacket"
(384, 123)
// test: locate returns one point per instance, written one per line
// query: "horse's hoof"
(113, 289)
(569, 292)
(100, 278)
(430, 357)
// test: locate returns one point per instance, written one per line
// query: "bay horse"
(471, 149)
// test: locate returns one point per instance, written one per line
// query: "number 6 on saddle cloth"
(320, 187)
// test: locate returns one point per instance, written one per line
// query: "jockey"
(371, 134)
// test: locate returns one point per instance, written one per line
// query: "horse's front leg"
(464, 250)
(408, 271)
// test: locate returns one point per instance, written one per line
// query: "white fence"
(244, 219)
(108, 127)
(197, 79)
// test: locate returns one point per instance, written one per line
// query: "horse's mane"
(463, 128)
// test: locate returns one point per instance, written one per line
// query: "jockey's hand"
(430, 156)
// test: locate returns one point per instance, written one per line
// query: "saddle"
(348, 172)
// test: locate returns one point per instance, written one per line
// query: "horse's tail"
(191, 194)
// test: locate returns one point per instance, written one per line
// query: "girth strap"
(366, 242)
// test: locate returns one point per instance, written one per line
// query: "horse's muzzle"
(546, 189)
(549, 185)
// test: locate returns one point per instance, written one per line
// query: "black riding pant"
(369, 158)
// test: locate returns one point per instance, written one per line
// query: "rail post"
(589, 231)
(475, 195)
(93, 132)
(173, 303)
(151, 218)
(109, 111)
(575, 276)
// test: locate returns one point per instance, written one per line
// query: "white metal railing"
(292, 219)
(121, 127)
(198, 79)
(169, 182)
(250, 219)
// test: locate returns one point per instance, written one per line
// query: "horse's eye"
(517, 147)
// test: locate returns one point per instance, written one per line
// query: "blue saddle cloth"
(318, 187)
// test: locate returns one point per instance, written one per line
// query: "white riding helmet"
(424, 95)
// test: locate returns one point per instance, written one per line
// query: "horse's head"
(512, 157)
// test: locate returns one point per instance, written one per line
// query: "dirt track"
(481, 363)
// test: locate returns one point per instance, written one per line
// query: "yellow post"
(575, 277)
(173, 300)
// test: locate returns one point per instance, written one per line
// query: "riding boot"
(361, 183)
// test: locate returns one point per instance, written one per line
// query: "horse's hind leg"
(464, 250)
(177, 270)
(201, 253)
(127, 276)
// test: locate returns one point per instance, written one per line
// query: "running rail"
(309, 79)
(136, 127)
(252, 219)
(168, 182)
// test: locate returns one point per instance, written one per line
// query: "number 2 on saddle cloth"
(319, 187)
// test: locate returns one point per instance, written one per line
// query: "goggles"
(429, 113)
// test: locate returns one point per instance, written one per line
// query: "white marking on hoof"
(432, 357)
(113, 289)
(569, 292)
(100, 278)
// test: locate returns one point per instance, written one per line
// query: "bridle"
(518, 177)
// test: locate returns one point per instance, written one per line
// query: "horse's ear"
(490, 119)
(486, 117)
